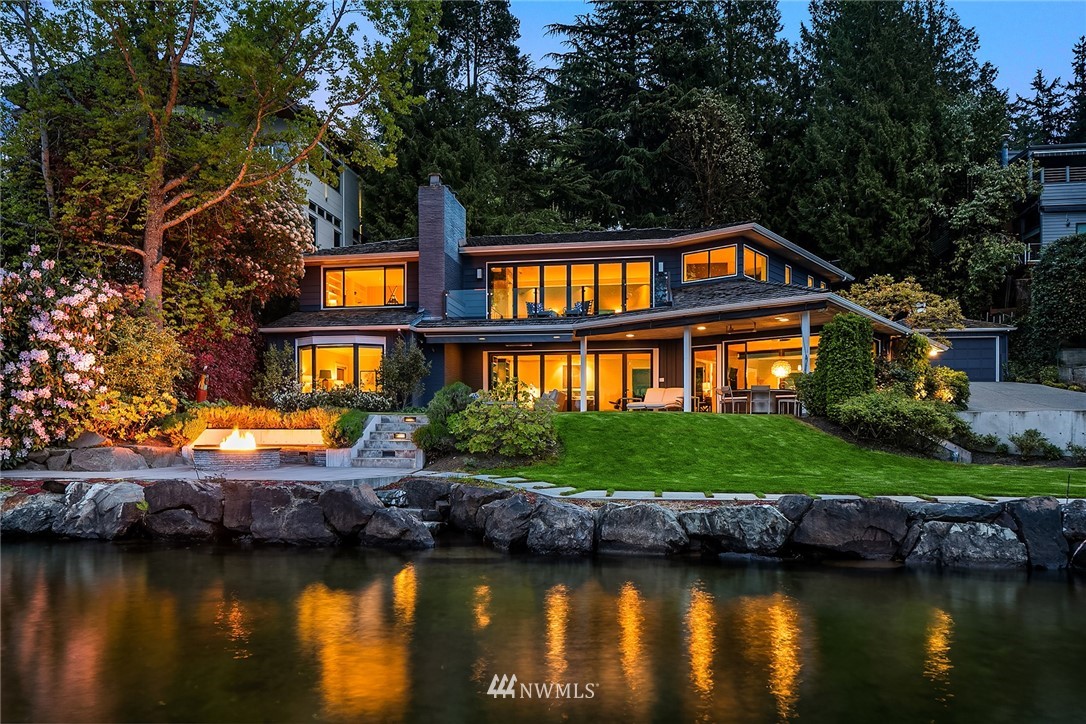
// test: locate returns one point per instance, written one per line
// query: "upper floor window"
(810, 281)
(787, 273)
(755, 264)
(709, 264)
(377, 286)
(569, 289)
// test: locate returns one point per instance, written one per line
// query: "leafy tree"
(402, 370)
(1076, 95)
(722, 165)
(1041, 118)
(191, 103)
(846, 364)
(1057, 307)
(906, 301)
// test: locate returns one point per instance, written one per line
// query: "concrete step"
(372, 454)
(400, 463)
(389, 445)
(403, 436)
(405, 419)
(397, 427)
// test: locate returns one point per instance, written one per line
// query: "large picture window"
(377, 286)
(755, 264)
(560, 289)
(709, 264)
(334, 366)
(773, 362)
(612, 376)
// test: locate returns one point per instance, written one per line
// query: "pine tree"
(1043, 117)
(1076, 96)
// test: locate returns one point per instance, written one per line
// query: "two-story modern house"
(334, 206)
(599, 316)
(1060, 209)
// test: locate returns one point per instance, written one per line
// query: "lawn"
(762, 454)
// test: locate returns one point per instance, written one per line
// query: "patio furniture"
(760, 399)
(622, 402)
(580, 309)
(536, 309)
(660, 398)
(727, 398)
(788, 404)
(555, 396)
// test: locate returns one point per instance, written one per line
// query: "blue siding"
(975, 355)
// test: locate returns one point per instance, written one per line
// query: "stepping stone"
(589, 494)
(962, 499)
(684, 496)
(735, 496)
(507, 481)
(633, 495)
(531, 486)
(840, 497)
(555, 492)
(903, 498)
(488, 478)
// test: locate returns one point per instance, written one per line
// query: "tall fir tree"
(1076, 95)
(1041, 118)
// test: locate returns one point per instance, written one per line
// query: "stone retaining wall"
(1029, 533)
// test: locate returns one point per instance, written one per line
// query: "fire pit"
(237, 452)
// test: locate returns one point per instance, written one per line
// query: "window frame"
(751, 250)
(709, 263)
(310, 345)
(541, 264)
(344, 269)
(788, 274)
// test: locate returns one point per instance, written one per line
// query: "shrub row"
(339, 427)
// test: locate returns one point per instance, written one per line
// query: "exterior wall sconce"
(399, 436)
(411, 419)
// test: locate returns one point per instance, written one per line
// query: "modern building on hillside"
(335, 207)
(1060, 209)
(600, 317)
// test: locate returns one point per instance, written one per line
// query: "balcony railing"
(1032, 252)
(1061, 175)
(466, 303)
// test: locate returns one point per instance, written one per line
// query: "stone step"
(397, 427)
(400, 463)
(391, 436)
(389, 445)
(418, 419)
(373, 454)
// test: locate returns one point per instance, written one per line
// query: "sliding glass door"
(611, 377)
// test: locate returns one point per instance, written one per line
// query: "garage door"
(974, 356)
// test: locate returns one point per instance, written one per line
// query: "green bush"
(846, 365)
(1078, 453)
(402, 370)
(1033, 444)
(434, 438)
(344, 430)
(279, 376)
(896, 419)
(503, 421)
(945, 385)
(182, 428)
(350, 397)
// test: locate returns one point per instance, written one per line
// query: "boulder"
(759, 529)
(643, 529)
(237, 508)
(103, 511)
(465, 502)
(1041, 527)
(348, 508)
(38, 456)
(955, 512)
(156, 456)
(87, 439)
(55, 486)
(106, 459)
(396, 528)
(561, 528)
(793, 507)
(1074, 521)
(872, 529)
(31, 465)
(392, 497)
(58, 459)
(425, 492)
(507, 522)
(203, 499)
(179, 524)
(30, 515)
(289, 514)
(979, 545)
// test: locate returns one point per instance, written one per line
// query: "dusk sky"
(1018, 37)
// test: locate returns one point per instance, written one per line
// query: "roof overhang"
(316, 329)
(338, 259)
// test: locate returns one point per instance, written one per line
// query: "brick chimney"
(442, 231)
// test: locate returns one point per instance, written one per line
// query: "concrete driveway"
(1022, 397)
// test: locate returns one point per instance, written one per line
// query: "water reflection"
(937, 664)
(700, 623)
(772, 633)
(635, 662)
(481, 607)
(556, 608)
(405, 587)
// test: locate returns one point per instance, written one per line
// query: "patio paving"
(1022, 397)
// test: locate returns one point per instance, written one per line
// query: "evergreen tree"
(1043, 117)
(1076, 96)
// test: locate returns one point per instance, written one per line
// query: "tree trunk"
(154, 261)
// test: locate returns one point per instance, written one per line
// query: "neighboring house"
(599, 316)
(977, 348)
(334, 208)
(1060, 209)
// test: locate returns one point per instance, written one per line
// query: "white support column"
(584, 374)
(999, 360)
(805, 331)
(688, 363)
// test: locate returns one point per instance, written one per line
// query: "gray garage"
(980, 351)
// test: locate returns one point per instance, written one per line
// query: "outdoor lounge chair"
(536, 309)
(580, 309)
(660, 398)
(557, 397)
(760, 399)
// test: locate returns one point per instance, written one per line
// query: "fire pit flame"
(237, 441)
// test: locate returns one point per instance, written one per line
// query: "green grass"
(763, 453)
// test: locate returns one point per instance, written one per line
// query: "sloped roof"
(394, 317)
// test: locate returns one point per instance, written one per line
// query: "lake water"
(134, 632)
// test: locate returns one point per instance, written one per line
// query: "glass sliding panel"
(704, 377)
(556, 377)
(305, 368)
(582, 283)
(610, 295)
(369, 360)
(555, 286)
(695, 266)
(722, 262)
(575, 381)
(365, 287)
(395, 290)
(638, 285)
(501, 369)
(755, 264)
(335, 367)
(527, 289)
(501, 292)
(333, 288)
(611, 380)
(529, 373)
(638, 374)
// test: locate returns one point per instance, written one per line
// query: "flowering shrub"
(51, 332)
(227, 360)
(291, 397)
(128, 417)
(506, 421)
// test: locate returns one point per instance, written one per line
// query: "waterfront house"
(599, 316)
(1060, 208)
